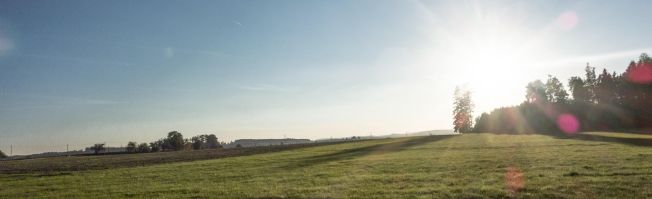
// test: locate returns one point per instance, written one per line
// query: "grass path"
(466, 166)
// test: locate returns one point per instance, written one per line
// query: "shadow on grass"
(364, 151)
(601, 138)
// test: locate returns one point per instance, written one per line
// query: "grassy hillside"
(472, 165)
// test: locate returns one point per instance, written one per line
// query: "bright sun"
(492, 54)
(494, 73)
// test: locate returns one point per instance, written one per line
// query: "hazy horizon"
(82, 72)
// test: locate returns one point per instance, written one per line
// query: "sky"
(82, 72)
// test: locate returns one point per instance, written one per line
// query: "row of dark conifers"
(604, 101)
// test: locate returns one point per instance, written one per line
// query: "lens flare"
(169, 52)
(641, 74)
(514, 180)
(568, 123)
(567, 20)
(5, 44)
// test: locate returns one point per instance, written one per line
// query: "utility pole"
(11, 150)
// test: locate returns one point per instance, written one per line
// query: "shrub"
(143, 148)
(97, 148)
(131, 147)
(156, 146)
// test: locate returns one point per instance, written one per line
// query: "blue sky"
(81, 72)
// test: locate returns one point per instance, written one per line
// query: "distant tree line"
(173, 142)
(604, 101)
(2, 155)
(97, 148)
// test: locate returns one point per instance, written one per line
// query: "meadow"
(591, 165)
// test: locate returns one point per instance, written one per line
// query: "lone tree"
(211, 141)
(156, 146)
(143, 148)
(97, 148)
(462, 112)
(3, 155)
(198, 142)
(590, 82)
(578, 89)
(535, 92)
(131, 147)
(175, 141)
(555, 91)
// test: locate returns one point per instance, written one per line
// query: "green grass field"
(599, 165)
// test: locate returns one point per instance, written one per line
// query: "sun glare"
(491, 54)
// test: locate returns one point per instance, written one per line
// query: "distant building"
(265, 142)
(107, 150)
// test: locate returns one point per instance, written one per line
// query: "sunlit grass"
(472, 165)
(621, 135)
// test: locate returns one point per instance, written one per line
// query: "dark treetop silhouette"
(608, 101)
